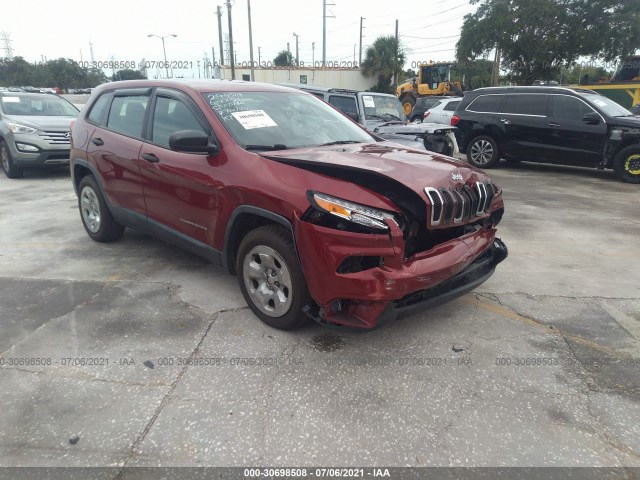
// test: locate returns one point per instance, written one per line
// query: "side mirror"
(192, 141)
(591, 118)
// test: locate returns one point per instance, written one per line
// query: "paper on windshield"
(11, 99)
(368, 101)
(254, 119)
(599, 102)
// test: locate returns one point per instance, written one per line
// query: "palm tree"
(385, 58)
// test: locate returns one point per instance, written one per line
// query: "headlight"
(356, 213)
(18, 128)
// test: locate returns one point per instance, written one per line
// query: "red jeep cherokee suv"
(318, 218)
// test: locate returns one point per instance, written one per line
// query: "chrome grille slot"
(449, 206)
(56, 138)
(459, 204)
(436, 205)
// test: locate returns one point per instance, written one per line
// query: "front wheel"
(10, 169)
(626, 165)
(271, 278)
(482, 152)
(407, 104)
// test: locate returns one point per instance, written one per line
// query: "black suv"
(548, 124)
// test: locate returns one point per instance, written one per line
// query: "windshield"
(280, 120)
(382, 107)
(37, 105)
(607, 106)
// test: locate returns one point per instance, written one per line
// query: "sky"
(429, 29)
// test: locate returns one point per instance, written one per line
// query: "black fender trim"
(250, 209)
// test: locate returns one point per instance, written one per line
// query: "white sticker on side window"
(368, 101)
(11, 100)
(254, 119)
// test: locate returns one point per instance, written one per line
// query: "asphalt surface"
(137, 353)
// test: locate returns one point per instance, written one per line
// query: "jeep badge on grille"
(456, 177)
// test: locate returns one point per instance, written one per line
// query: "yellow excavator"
(623, 87)
(432, 79)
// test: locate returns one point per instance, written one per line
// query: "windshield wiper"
(392, 116)
(339, 142)
(277, 146)
(374, 116)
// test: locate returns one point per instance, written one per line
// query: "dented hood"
(414, 169)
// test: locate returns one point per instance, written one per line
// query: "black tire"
(482, 152)
(626, 165)
(417, 118)
(268, 270)
(10, 169)
(408, 102)
(94, 212)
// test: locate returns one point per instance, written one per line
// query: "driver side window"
(171, 116)
(570, 108)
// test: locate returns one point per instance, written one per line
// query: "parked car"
(442, 111)
(34, 131)
(317, 217)
(422, 105)
(382, 114)
(548, 124)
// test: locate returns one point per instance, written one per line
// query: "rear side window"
(564, 106)
(451, 106)
(127, 114)
(98, 112)
(486, 104)
(344, 104)
(171, 116)
(526, 104)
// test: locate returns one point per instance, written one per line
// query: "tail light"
(454, 120)
(426, 114)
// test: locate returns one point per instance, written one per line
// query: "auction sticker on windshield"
(254, 119)
(368, 101)
(11, 100)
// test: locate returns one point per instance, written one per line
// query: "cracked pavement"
(150, 356)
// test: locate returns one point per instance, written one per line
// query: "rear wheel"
(10, 169)
(482, 152)
(407, 104)
(270, 277)
(94, 211)
(626, 165)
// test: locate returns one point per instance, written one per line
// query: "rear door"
(523, 122)
(114, 146)
(447, 111)
(569, 139)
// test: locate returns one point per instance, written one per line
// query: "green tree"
(127, 74)
(473, 74)
(284, 59)
(384, 59)
(538, 37)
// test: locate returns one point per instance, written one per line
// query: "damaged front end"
(434, 137)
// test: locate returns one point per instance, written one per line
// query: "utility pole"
(324, 31)
(231, 60)
(313, 54)
(297, 38)
(253, 74)
(219, 14)
(395, 75)
(360, 55)
(259, 58)
(91, 54)
(354, 52)
(205, 68)
(213, 60)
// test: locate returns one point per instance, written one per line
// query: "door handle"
(150, 157)
(97, 141)
(551, 124)
(505, 121)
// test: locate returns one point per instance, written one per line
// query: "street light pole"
(297, 58)
(164, 50)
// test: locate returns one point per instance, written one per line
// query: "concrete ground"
(137, 353)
